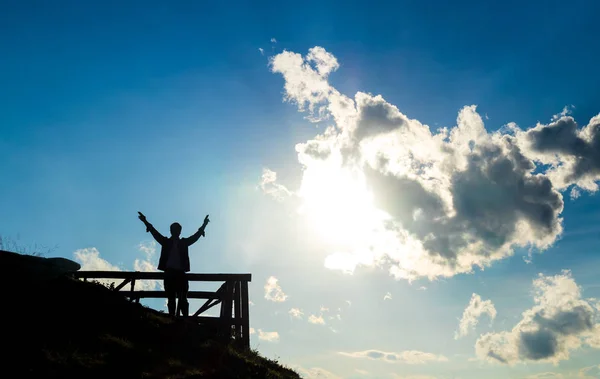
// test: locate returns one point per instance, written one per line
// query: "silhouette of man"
(175, 262)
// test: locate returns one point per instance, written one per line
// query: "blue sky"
(178, 111)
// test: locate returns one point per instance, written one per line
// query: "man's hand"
(206, 221)
(142, 217)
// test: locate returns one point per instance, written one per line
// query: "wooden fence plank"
(158, 276)
(123, 284)
(163, 295)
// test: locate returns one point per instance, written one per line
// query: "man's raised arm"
(194, 237)
(149, 228)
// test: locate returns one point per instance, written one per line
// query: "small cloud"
(147, 265)
(318, 320)
(148, 248)
(262, 51)
(545, 375)
(561, 321)
(591, 372)
(411, 357)
(348, 302)
(472, 313)
(388, 296)
(315, 373)
(252, 331)
(324, 309)
(89, 259)
(296, 313)
(566, 111)
(273, 40)
(271, 188)
(273, 291)
(575, 193)
(268, 336)
(251, 303)
(422, 288)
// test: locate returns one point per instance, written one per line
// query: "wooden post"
(132, 288)
(237, 311)
(245, 315)
(226, 310)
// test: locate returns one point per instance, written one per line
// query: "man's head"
(175, 229)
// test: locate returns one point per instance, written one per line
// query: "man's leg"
(184, 287)
(170, 289)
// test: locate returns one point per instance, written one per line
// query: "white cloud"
(396, 376)
(318, 320)
(385, 190)
(411, 357)
(268, 336)
(592, 338)
(148, 248)
(296, 313)
(546, 375)
(273, 40)
(90, 260)
(315, 373)
(303, 84)
(470, 318)
(388, 296)
(147, 265)
(262, 51)
(575, 193)
(570, 150)
(273, 291)
(252, 331)
(592, 372)
(271, 188)
(560, 322)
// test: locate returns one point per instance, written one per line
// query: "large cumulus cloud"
(446, 201)
(561, 321)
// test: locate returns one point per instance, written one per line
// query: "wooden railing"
(232, 295)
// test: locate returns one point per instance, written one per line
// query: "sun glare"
(338, 204)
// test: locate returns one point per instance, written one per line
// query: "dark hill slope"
(64, 328)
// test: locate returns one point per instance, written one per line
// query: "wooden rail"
(232, 295)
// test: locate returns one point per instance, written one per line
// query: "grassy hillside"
(64, 328)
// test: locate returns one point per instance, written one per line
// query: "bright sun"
(339, 206)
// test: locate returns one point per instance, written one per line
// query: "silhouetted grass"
(66, 328)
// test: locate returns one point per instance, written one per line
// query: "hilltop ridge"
(65, 328)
